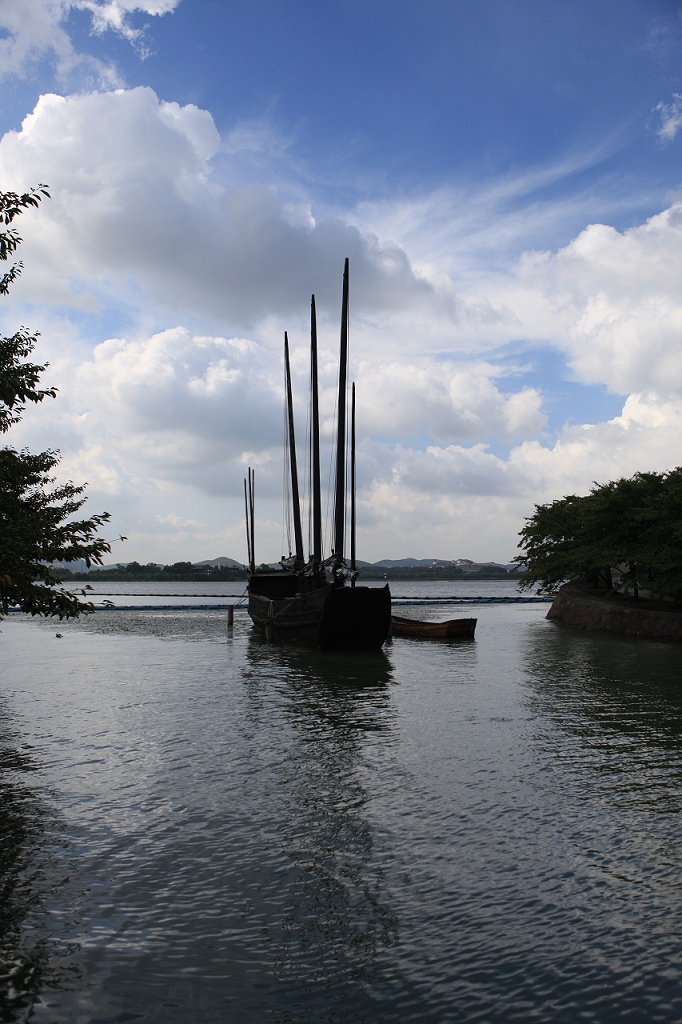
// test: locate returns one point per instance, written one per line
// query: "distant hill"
(427, 568)
(464, 564)
(391, 563)
(427, 562)
(222, 560)
(434, 569)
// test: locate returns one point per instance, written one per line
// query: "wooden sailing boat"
(317, 602)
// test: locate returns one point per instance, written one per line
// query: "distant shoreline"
(389, 574)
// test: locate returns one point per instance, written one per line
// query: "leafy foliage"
(632, 524)
(11, 205)
(19, 380)
(36, 517)
(36, 527)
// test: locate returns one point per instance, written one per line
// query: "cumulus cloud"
(196, 410)
(202, 272)
(470, 502)
(645, 433)
(138, 213)
(171, 422)
(611, 301)
(177, 408)
(445, 400)
(177, 416)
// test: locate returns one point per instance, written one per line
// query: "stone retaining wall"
(583, 607)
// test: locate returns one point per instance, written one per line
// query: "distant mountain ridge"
(221, 560)
(460, 563)
(464, 564)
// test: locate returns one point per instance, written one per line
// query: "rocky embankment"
(585, 607)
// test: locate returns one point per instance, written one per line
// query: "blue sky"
(505, 179)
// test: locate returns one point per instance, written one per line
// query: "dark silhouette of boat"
(317, 601)
(448, 629)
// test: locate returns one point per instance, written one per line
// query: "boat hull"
(329, 617)
(450, 629)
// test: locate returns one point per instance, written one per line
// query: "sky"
(505, 180)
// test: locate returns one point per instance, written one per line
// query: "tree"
(182, 568)
(36, 517)
(559, 544)
(633, 525)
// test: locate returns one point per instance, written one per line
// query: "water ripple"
(482, 832)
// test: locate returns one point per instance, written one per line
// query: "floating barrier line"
(216, 596)
(112, 607)
(152, 607)
(472, 600)
(161, 607)
(395, 601)
(403, 597)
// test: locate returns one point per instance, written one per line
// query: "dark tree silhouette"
(37, 524)
(633, 525)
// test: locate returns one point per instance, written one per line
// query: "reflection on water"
(31, 958)
(235, 841)
(165, 625)
(622, 697)
(338, 917)
(435, 832)
(608, 745)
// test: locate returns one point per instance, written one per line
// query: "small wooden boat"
(450, 629)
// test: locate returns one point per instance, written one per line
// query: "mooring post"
(230, 615)
(269, 632)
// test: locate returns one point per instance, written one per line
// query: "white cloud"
(35, 30)
(611, 300)
(174, 522)
(177, 408)
(469, 502)
(147, 224)
(462, 226)
(444, 400)
(113, 15)
(195, 410)
(670, 117)
(33, 27)
(168, 423)
(140, 215)
(137, 215)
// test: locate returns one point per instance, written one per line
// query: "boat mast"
(248, 528)
(249, 501)
(298, 533)
(352, 487)
(340, 502)
(316, 555)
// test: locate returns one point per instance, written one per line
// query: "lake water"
(199, 827)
